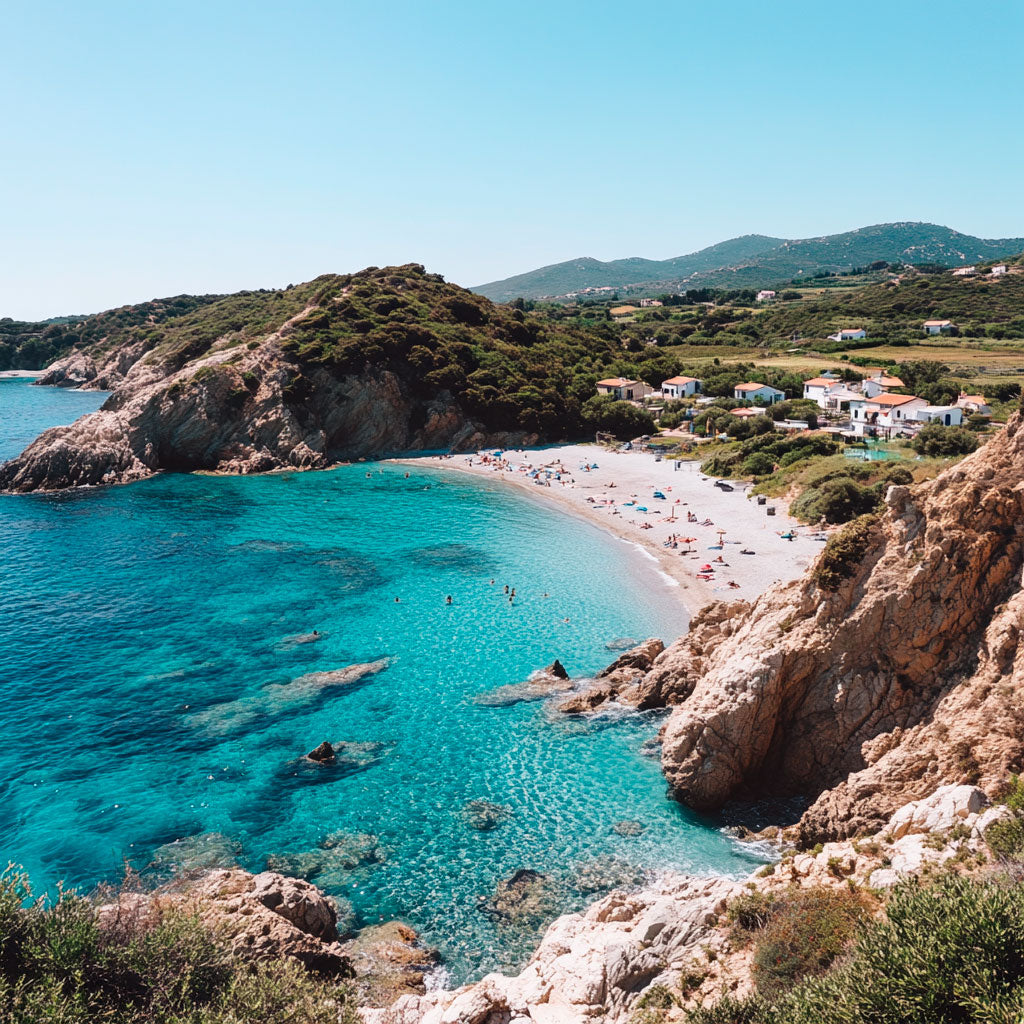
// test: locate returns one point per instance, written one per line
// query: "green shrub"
(58, 965)
(947, 953)
(934, 439)
(805, 933)
(836, 501)
(657, 997)
(898, 475)
(844, 551)
(749, 912)
(758, 464)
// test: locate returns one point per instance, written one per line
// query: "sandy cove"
(601, 494)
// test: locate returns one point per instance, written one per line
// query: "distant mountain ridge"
(758, 261)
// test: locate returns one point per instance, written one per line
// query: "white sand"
(636, 477)
(20, 374)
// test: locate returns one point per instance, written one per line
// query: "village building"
(765, 295)
(947, 415)
(752, 391)
(839, 398)
(938, 326)
(999, 269)
(848, 334)
(624, 390)
(680, 387)
(646, 303)
(965, 271)
(885, 415)
(880, 383)
(817, 389)
(746, 412)
(977, 404)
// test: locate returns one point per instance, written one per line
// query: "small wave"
(437, 979)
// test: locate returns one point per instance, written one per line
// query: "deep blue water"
(149, 691)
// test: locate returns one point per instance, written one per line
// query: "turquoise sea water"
(149, 690)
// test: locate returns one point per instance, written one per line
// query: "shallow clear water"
(148, 689)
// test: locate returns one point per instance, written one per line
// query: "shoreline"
(21, 374)
(614, 494)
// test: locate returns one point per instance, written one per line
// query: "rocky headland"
(389, 360)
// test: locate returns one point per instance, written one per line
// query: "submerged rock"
(484, 816)
(525, 900)
(629, 827)
(194, 855)
(334, 860)
(541, 685)
(604, 873)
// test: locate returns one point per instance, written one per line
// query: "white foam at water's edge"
(438, 979)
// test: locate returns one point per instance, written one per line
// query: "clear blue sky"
(149, 149)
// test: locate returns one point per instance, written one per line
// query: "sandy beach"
(617, 492)
(20, 374)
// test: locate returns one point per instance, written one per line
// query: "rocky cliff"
(384, 361)
(893, 667)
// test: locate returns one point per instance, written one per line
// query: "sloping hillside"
(575, 275)
(756, 261)
(386, 360)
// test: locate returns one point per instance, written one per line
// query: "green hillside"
(574, 275)
(756, 261)
(31, 346)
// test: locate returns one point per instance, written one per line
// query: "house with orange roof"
(745, 412)
(817, 389)
(938, 326)
(762, 394)
(623, 389)
(885, 414)
(977, 404)
(880, 383)
(681, 387)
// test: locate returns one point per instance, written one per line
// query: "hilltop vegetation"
(757, 261)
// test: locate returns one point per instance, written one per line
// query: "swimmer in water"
(506, 588)
(397, 600)
(448, 599)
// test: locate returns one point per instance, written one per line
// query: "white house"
(880, 383)
(754, 392)
(838, 399)
(938, 326)
(848, 334)
(624, 390)
(947, 415)
(646, 303)
(965, 271)
(999, 269)
(765, 295)
(817, 389)
(680, 387)
(974, 404)
(885, 415)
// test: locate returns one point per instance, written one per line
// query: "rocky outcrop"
(323, 754)
(259, 917)
(675, 936)
(225, 393)
(892, 668)
(75, 370)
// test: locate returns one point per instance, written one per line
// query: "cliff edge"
(893, 667)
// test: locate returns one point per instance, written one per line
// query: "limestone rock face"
(590, 966)
(907, 676)
(73, 371)
(232, 410)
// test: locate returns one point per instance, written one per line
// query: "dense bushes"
(625, 421)
(935, 439)
(949, 952)
(834, 501)
(59, 966)
(844, 551)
